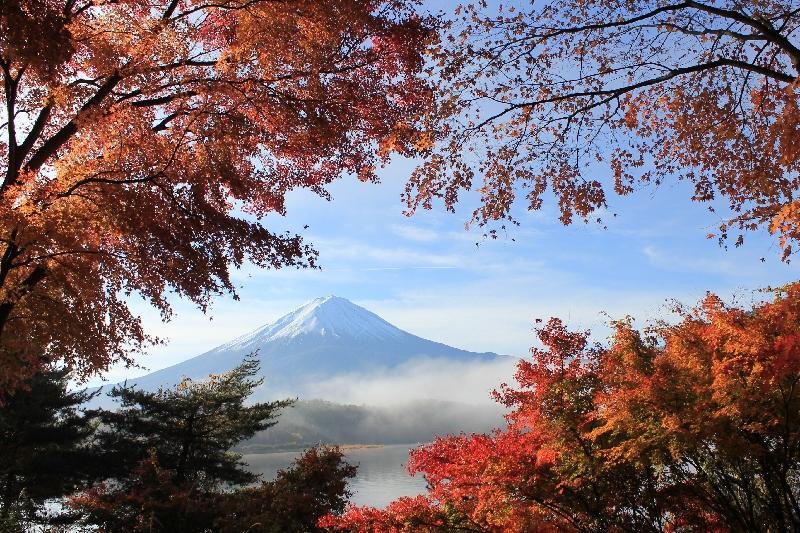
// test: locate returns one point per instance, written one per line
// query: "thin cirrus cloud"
(336, 251)
(668, 260)
(414, 233)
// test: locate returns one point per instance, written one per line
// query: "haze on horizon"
(334, 350)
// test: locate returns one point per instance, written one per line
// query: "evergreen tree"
(168, 453)
(45, 447)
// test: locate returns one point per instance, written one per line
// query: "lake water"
(381, 477)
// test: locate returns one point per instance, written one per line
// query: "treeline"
(162, 461)
(310, 422)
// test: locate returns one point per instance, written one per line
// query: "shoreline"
(257, 450)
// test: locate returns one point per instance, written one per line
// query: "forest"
(145, 146)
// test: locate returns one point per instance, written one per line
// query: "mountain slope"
(325, 337)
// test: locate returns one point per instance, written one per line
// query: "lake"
(381, 477)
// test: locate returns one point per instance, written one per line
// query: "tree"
(144, 141)
(691, 427)
(45, 447)
(574, 98)
(167, 454)
(314, 486)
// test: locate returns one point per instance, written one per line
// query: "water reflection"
(381, 478)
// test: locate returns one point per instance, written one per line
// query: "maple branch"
(231, 6)
(170, 9)
(95, 179)
(10, 253)
(611, 94)
(708, 31)
(163, 99)
(769, 32)
(36, 130)
(36, 275)
(11, 85)
(164, 123)
(52, 145)
(760, 25)
(77, 251)
(555, 32)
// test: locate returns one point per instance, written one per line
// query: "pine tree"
(168, 453)
(45, 446)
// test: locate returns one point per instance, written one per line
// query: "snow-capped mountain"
(326, 337)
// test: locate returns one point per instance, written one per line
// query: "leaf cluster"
(142, 143)
(689, 427)
(567, 101)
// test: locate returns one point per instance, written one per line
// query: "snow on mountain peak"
(328, 316)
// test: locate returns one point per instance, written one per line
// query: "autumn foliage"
(687, 427)
(568, 100)
(144, 141)
(315, 485)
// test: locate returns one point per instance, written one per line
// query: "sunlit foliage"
(135, 134)
(686, 427)
(573, 99)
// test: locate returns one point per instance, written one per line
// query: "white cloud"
(679, 262)
(414, 233)
(347, 249)
(420, 379)
(498, 314)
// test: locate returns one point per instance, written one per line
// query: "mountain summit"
(325, 337)
(329, 316)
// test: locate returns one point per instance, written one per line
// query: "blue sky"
(426, 274)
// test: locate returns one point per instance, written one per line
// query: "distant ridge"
(325, 337)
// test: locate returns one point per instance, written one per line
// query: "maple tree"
(575, 98)
(144, 141)
(693, 426)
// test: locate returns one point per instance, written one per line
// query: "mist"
(418, 379)
(412, 403)
(309, 422)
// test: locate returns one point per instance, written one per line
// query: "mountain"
(326, 337)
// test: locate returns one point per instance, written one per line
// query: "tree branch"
(36, 130)
(610, 94)
(170, 9)
(52, 145)
(759, 25)
(36, 275)
(94, 179)
(163, 99)
(10, 89)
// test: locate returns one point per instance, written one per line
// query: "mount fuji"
(326, 337)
